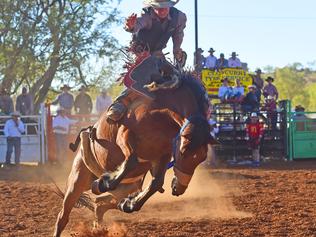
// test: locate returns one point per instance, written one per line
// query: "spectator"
(210, 61)
(299, 118)
(61, 125)
(258, 82)
(233, 61)
(221, 62)
(250, 103)
(238, 91)
(270, 89)
(225, 92)
(13, 130)
(270, 107)
(103, 102)
(24, 103)
(6, 103)
(65, 99)
(83, 102)
(199, 60)
(254, 133)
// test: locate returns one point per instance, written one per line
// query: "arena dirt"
(276, 200)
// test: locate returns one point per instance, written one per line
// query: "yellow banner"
(212, 79)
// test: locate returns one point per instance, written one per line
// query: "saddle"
(150, 74)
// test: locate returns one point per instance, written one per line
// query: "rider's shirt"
(157, 32)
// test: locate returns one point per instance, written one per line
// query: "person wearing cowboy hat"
(258, 82)
(222, 62)
(103, 101)
(271, 107)
(83, 102)
(151, 32)
(250, 103)
(6, 102)
(61, 126)
(254, 134)
(199, 60)
(233, 61)
(65, 99)
(13, 130)
(210, 61)
(270, 89)
(159, 22)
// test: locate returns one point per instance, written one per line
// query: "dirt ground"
(277, 199)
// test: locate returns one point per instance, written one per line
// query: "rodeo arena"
(210, 151)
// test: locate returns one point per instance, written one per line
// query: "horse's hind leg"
(110, 200)
(79, 181)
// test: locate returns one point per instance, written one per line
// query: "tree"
(42, 41)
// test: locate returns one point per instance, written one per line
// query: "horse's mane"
(197, 89)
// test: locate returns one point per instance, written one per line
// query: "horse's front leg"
(135, 202)
(110, 180)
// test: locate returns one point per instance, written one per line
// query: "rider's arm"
(178, 34)
(142, 22)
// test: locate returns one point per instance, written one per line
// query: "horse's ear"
(213, 141)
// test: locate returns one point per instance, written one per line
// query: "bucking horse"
(155, 134)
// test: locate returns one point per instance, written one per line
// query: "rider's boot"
(117, 110)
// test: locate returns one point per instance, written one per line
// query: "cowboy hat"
(15, 114)
(211, 50)
(83, 88)
(252, 86)
(258, 70)
(299, 108)
(200, 50)
(160, 3)
(234, 53)
(270, 79)
(65, 86)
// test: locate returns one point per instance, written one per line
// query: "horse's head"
(190, 150)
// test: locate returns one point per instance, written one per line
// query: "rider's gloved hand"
(130, 22)
(178, 55)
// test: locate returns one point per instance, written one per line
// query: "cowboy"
(254, 134)
(233, 61)
(222, 62)
(271, 107)
(24, 103)
(270, 89)
(65, 99)
(258, 82)
(210, 61)
(151, 31)
(83, 102)
(13, 130)
(250, 103)
(199, 60)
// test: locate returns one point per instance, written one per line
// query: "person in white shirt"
(234, 62)
(210, 61)
(238, 91)
(61, 125)
(103, 102)
(225, 91)
(13, 130)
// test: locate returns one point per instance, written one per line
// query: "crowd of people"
(213, 63)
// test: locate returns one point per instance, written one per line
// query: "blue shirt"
(11, 129)
(65, 100)
(221, 64)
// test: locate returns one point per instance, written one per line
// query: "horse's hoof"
(126, 205)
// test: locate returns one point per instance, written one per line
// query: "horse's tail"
(74, 146)
(83, 201)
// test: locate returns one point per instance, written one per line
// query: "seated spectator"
(6, 103)
(233, 61)
(65, 99)
(24, 103)
(61, 125)
(254, 134)
(258, 82)
(13, 130)
(270, 89)
(250, 103)
(225, 92)
(199, 60)
(103, 102)
(238, 91)
(221, 62)
(270, 107)
(210, 61)
(83, 102)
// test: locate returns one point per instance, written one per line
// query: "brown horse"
(143, 141)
